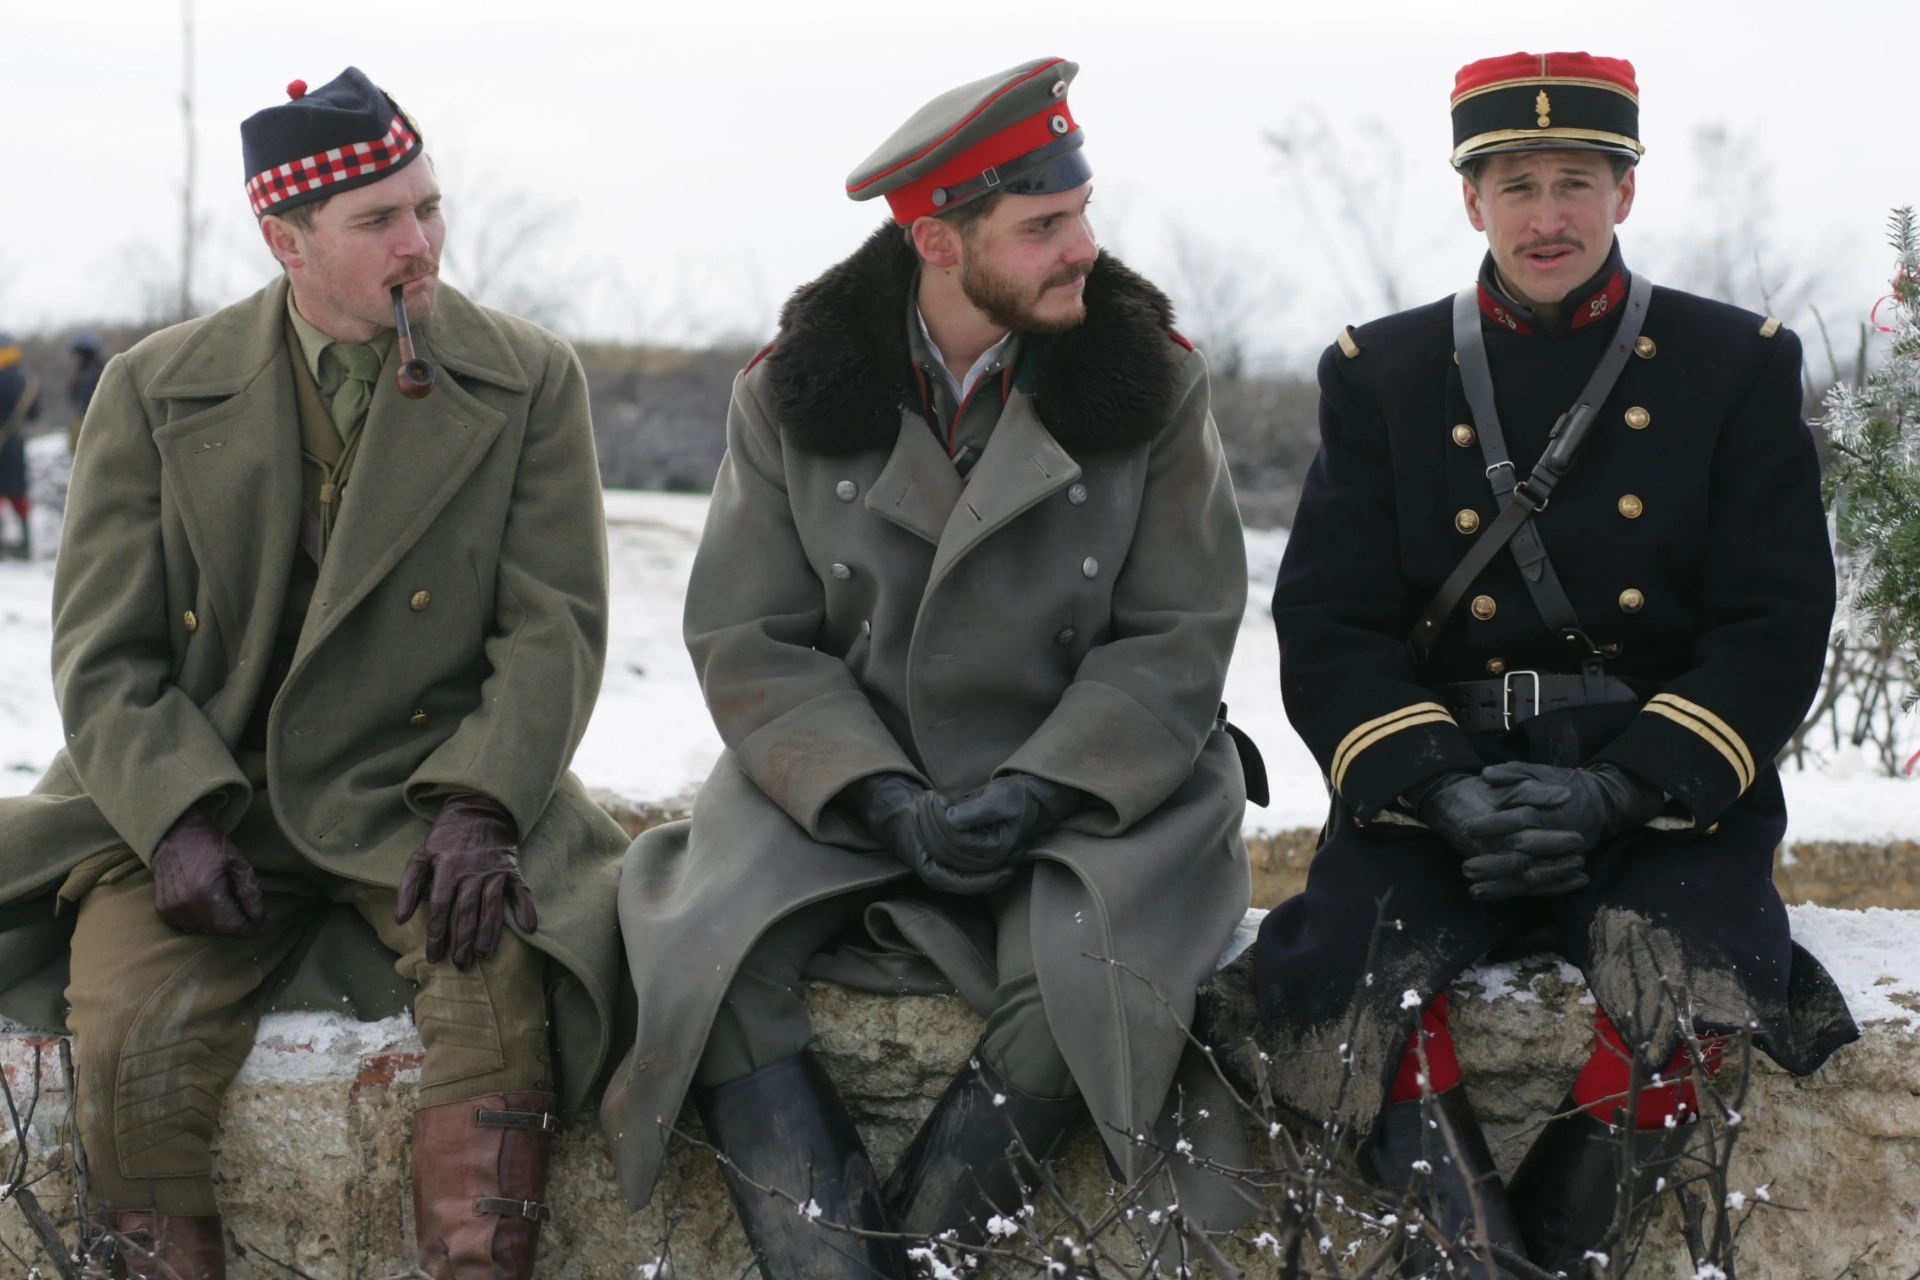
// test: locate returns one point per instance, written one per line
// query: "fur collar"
(841, 367)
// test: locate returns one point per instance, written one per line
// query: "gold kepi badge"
(1543, 108)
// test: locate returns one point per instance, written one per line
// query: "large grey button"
(846, 490)
(866, 628)
(841, 572)
(1066, 637)
(1077, 494)
(1090, 567)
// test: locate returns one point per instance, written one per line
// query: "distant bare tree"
(1220, 294)
(189, 228)
(1349, 188)
(506, 248)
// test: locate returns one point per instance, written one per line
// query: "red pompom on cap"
(296, 88)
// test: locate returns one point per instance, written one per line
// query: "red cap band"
(915, 200)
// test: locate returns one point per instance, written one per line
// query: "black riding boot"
(784, 1126)
(1402, 1137)
(1567, 1189)
(959, 1171)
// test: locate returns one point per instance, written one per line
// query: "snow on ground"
(651, 738)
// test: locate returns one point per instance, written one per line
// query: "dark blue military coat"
(1691, 541)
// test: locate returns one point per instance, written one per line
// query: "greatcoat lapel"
(919, 486)
(1022, 466)
(234, 466)
(413, 457)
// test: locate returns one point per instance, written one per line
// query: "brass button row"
(420, 600)
(1463, 435)
(1638, 418)
(1466, 520)
(1632, 600)
(192, 622)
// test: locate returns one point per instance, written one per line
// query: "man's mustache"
(1058, 278)
(1552, 242)
(413, 270)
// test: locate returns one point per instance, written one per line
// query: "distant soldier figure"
(1557, 592)
(84, 354)
(962, 613)
(19, 405)
(323, 652)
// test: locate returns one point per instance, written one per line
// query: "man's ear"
(283, 242)
(1625, 206)
(1471, 194)
(937, 243)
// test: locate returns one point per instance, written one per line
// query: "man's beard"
(1007, 303)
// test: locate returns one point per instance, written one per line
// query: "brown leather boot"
(159, 1246)
(479, 1172)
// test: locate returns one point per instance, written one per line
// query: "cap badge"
(1543, 108)
(1058, 124)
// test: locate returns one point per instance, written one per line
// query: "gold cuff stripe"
(1770, 326)
(1535, 135)
(1380, 727)
(1348, 347)
(1546, 80)
(1711, 729)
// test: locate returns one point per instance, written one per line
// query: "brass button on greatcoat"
(1644, 347)
(1631, 601)
(192, 622)
(1463, 435)
(1496, 667)
(421, 599)
(1638, 418)
(846, 490)
(418, 719)
(1466, 520)
(1631, 506)
(1483, 607)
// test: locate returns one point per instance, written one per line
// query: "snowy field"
(651, 738)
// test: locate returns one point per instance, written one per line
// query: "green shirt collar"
(313, 342)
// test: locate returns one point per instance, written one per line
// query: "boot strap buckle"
(544, 1121)
(515, 1209)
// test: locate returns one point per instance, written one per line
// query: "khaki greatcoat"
(856, 607)
(455, 640)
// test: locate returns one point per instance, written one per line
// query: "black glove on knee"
(1596, 802)
(909, 821)
(1506, 852)
(1009, 813)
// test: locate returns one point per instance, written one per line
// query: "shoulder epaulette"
(762, 354)
(1175, 335)
(1770, 326)
(1348, 347)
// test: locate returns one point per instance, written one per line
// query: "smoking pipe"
(415, 375)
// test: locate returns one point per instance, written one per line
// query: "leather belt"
(1491, 706)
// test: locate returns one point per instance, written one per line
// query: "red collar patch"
(1595, 306)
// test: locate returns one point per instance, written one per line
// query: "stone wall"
(313, 1154)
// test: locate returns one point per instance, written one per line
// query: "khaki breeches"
(162, 1020)
(763, 1018)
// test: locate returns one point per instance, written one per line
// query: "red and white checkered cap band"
(297, 177)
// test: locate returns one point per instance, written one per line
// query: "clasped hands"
(1526, 829)
(972, 847)
(467, 870)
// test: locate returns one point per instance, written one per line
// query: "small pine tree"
(1873, 488)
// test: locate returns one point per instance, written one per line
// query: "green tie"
(350, 370)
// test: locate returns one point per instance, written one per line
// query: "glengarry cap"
(345, 134)
(1010, 132)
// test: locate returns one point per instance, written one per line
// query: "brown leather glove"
(470, 857)
(203, 884)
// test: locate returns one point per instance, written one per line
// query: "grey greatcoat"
(1067, 610)
(455, 640)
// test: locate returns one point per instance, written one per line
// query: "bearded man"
(962, 613)
(1530, 752)
(323, 652)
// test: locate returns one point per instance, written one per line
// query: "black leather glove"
(203, 884)
(1596, 802)
(909, 821)
(1012, 811)
(470, 859)
(1506, 852)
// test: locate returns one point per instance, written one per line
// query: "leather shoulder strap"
(1563, 449)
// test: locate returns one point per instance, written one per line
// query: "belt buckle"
(1506, 695)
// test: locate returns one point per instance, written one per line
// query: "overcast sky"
(686, 161)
